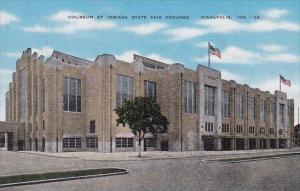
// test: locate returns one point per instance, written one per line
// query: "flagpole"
(279, 83)
(208, 52)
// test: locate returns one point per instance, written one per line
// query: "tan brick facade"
(49, 128)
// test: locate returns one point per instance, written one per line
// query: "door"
(164, 145)
(10, 145)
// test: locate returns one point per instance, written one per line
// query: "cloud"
(46, 51)
(272, 48)
(226, 75)
(228, 26)
(12, 54)
(128, 57)
(161, 59)
(6, 18)
(224, 26)
(203, 44)
(65, 23)
(146, 29)
(37, 29)
(236, 55)
(184, 33)
(274, 13)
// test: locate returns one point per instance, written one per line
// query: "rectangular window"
(226, 104)
(209, 105)
(189, 97)
(92, 142)
(150, 89)
(43, 95)
(239, 129)
(150, 142)
(266, 111)
(209, 126)
(240, 106)
(43, 125)
(72, 94)
(92, 126)
(280, 132)
(225, 128)
(251, 130)
(274, 111)
(272, 132)
(281, 113)
(23, 94)
(263, 110)
(71, 142)
(124, 89)
(124, 142)
(252, 106)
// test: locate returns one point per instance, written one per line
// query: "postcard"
(150, 95)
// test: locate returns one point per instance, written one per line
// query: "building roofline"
(74, 57)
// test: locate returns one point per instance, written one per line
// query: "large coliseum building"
(67, 104)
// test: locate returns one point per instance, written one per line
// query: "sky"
(260, 40)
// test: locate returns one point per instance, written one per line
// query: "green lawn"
(56, 175)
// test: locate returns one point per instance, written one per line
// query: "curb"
(64, 179)
(279, 153)
(250, 158)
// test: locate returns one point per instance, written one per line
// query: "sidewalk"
(159, 155)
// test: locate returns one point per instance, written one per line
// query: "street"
(164, 174)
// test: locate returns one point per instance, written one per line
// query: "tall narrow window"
(92, 126)
(23, 97)
(209, 105)
(226, 104)
(266, 111)
(252, 106)
(240, 106)
(124, 89)
(72, 94)
(262, 110)
(274, 111)
(189, 97)
(150, 89)
(43, 95)
(281, 113)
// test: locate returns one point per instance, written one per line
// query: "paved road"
(170, 174)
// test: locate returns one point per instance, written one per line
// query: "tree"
(142, 115)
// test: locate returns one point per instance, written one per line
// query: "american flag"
(214, 51)
(285, 81)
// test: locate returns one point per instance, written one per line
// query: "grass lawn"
(57, 175)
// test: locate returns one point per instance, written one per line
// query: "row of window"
(92, 142)
(209, 126)
(251, 129)
(262, 130)
(239, 129)
(72, 98)
(225, 128)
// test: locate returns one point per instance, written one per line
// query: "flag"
(285, 81)
(214, 51)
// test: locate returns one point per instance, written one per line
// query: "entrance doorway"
(164, 145)
(252, 143)
(240, 143)
(226, 144)
(208, 143)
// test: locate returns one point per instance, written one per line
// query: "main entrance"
(208, 143)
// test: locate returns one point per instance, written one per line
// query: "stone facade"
(37, 98)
